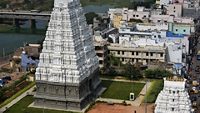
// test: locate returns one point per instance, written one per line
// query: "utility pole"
(3, 52)
(146, 96)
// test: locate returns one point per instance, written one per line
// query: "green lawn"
(121, 90)
(22, 107)
(154, 90)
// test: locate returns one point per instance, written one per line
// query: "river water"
(11, 41)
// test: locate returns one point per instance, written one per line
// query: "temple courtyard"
(116, 96)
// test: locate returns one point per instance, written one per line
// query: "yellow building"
(117, 18)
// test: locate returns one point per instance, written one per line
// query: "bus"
(198, 55)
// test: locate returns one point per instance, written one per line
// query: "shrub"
(157, 73)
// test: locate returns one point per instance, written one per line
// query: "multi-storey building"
(101, 51)
(144, 55)
(126, 14)
(175, 9)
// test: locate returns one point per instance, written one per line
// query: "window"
(173, 100)
(161, 54)
(57, 90)
(174, 7)
(132, 59)
(137, 15)
(136, 60)
(147, 54)
(133, 15)
(122, 59)
(145, 16)
(100, 62)
(151, 54)
(184, 30)
(44, 89)
(176, 29)
(122, 52)
(174, 11)
(136, 53)
(118, 52)
(172, 109)
(132, 53)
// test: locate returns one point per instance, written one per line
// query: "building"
(32, 50)
(125, 14)
(174, 97)
(152, 26)
(140, 43)
(181, 28)
(117, 18)
(161, 18)
(141, 13)
(163, 2)
(144, 55)
(67, 74)
(175, 9)
(101, 50)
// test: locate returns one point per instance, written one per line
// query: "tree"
(90, 16)
(131, 71)
(3, 3)
(157, 73)
(114, 61)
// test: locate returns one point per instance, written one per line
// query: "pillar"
(16, 23)
(32, 23)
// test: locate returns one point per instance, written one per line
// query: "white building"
(152, 26)
(174, 97)
(128, 14)
(175, 9)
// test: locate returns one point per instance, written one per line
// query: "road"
(194, 70)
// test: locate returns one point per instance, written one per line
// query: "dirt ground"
(14, 75)
(116, 108)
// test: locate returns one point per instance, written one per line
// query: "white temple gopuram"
(67, 74)
(174, 97)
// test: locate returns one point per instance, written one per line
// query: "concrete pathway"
(140, 98)
(137, 102)
(16, 99)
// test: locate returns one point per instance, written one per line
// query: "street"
(194, 70)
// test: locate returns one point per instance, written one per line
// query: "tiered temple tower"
(67, 74)
(174, 97)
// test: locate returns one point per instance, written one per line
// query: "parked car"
(7, 78)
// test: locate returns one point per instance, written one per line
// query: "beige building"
(101, 50)
(144, 55)
(117, 18)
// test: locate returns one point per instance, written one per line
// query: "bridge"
(16, 16)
